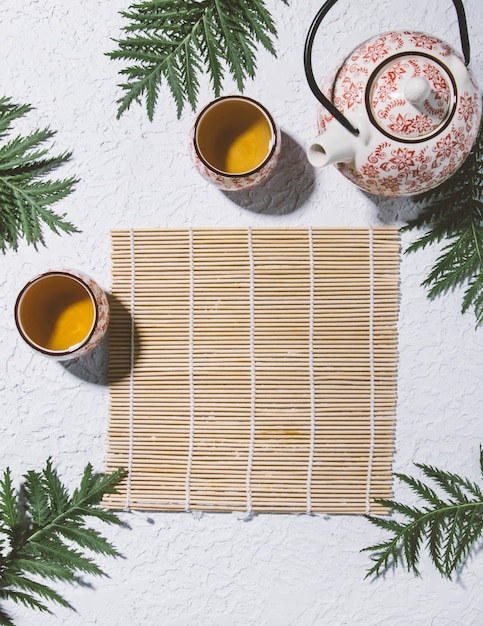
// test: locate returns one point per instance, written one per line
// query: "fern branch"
(454, 212)
(40, 527)
(25, 193)
(175, 41)
(449, 528)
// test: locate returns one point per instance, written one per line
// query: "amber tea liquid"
(56, 313)
(234, 136)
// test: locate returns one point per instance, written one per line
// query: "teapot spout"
(334, 146)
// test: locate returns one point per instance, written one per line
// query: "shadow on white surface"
(93, 366)
(395, 211)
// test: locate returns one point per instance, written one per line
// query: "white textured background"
(180, 570)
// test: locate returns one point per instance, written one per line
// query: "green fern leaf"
(411, 542)
(212, 52)
(461, 259)
(86, 538)
(466, 535)
(404, 509)
(17, 152)
(173, 74)
(20, 597)
(55, 551)
(10, 112)
(385, 556)
(436, 543)
(34, 493)
(451, 483)
(191, 67)
(8, 504)
(109, 517)
(261, 24)
(228, 27)
(420, 489)
(473, 297)
(57, 493)
(87, 482)
(44, 569)
(94, 487)
(32, 588)
(388, 524)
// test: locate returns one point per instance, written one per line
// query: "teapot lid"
(411, 97)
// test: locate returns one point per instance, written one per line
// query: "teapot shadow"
(288, 187)
(395, 211)
(94, 366)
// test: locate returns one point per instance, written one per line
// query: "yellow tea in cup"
(235, 143)
(234, 135)
(56, 313)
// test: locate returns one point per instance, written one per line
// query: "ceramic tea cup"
(235, 143)
(63, 314)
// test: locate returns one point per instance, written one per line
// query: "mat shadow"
(286, 190)
(94, 366)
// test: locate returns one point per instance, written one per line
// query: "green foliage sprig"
(448, 526)
(43, 534)
(454, 212)
(25, 192)
(176, 40)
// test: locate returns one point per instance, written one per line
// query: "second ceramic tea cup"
(63, 314)
(235, 142)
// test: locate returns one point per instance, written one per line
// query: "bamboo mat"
(253, 370)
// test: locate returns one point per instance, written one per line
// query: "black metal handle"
(309, 43)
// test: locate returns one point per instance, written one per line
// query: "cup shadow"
(289, 186)
(94, 366)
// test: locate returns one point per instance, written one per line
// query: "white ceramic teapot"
(403, 110)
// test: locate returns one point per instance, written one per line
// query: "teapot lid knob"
(411, 97)
(417, 90)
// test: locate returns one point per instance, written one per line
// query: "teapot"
(402, 112)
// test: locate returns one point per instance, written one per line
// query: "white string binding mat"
(191, 367)
(372, 371)
(131, 371)
(311, 371)
(253, 374)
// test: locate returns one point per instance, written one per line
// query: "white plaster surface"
(216, 570)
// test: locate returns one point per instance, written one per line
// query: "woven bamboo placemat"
(253, 370)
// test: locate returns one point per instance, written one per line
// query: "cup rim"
(38, 347)
(264, 111)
